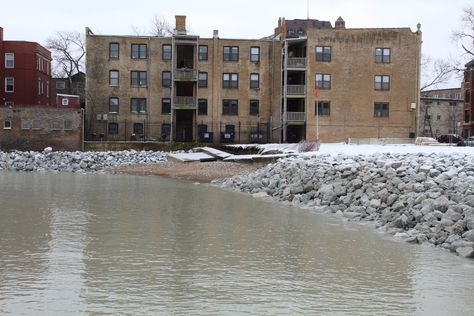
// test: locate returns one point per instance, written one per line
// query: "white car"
(468, 141)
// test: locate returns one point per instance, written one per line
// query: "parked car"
(449, 138)
(469, 141)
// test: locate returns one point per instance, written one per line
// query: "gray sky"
(36, 20)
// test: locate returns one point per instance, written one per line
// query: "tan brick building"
(188, 88)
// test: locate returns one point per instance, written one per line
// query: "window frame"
(140, 105)
(201, 110)
(254, 84)
(252, 111)
(164, 53)
(55, 125)
(111, 78)
(7, 60)
(231, 55)
(202, 83)
(323, 83)
(140, 80)
(7, 85)
(203, 56)
(139, 53)
(322, 108)
(111, 51)
(25, 124)
(230, 83)
(7, 124)
(381, 111)
(67, 125)
(383, 58)
(138, 128)
(323, 55)
(36, 125)
(166, 82)
(382, 85)
(230, 107)
(113, 131)
(254, 59)
(166, 110)
(111, 106)
(62, 84)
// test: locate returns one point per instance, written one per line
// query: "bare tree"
(158, 27)
(435, 72)
(69, 50)
(465, 36)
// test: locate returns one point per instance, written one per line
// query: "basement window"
(7, 124)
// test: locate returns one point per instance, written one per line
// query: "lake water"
(118, 244)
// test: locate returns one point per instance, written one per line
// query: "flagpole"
(317, 112)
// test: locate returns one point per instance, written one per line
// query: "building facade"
(187, 88)
(468, 91)
(25, 73)
(441, 112)
(75, 85)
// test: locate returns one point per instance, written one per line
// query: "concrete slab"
(190, 157)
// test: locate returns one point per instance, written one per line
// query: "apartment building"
(468, 91)
(308, 81)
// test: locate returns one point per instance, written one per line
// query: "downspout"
(418, 92)
(285, 88)
(148, 93)
(272, 91)
(172, 87)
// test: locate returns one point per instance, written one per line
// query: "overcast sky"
(36, 20)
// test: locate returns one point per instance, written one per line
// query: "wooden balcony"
(185, 75)
(297, 63)
(185, 103)
(296, 90)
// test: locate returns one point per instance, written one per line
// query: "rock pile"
(49, 160)
(422, 198)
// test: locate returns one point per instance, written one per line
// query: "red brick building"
(468, 87)
(25, 73)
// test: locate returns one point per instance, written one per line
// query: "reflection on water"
(108, 244)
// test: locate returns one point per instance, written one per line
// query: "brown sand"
(192, 171)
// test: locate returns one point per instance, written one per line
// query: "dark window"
(382, 55)
(323, 108)
(167, 52)
(67, 125)
(381, 109)
(114, 77)
(255, 54)
(202, 107)
(166, 106)
(230, 107)
(166, 79)
(323, 53)
(254, 107)
(165, 131)
(138, 105)
(7, 124)
(467, 96)
(230, 129)
(9, 84)
(203, 52)
(138, 128)
(202, 128)
(230, 80)
(202, 80)
(114, 50)
(323, 81)
(382, 82)
(113, 105)
(254, 81)
(231, 53)
(138, 78)
(139, 51)
(113, 128)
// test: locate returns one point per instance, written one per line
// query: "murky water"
(111, 244)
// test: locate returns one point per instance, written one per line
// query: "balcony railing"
(184, 102)
(295, 116)
(185, 75)
(296, 90)
(297, 62)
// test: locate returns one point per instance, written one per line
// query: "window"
(231, 53)
(138, 128)
(113, 105)
(438, 118)
(138, 78)
(202, 107)
(166, 52)
(382, 55)
(113, 129)
(9, 84)
(382, 82)
(7, 124)
(55, 125)
(254, 107)
(65, 101)
(166, 78)
(114, 49)
(9, 60)
(36, 124)
(25, 124)
(202, 80)
(323, 108)
(230, 107)
(114, 77)
(381, 109)
(230, 80)
(67, 125)
(139, 51)
(323, 81)
(203, 52)
(255, 54)
(138, 105)
(254, 81)
(323, 53)
(202, 128)
(230, 129)
(60, 85)
(166, 106)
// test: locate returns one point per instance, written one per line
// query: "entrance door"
(184, 125)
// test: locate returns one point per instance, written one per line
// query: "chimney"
(340, 24)
(1, 34)
(180, 24)
(215, 34)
